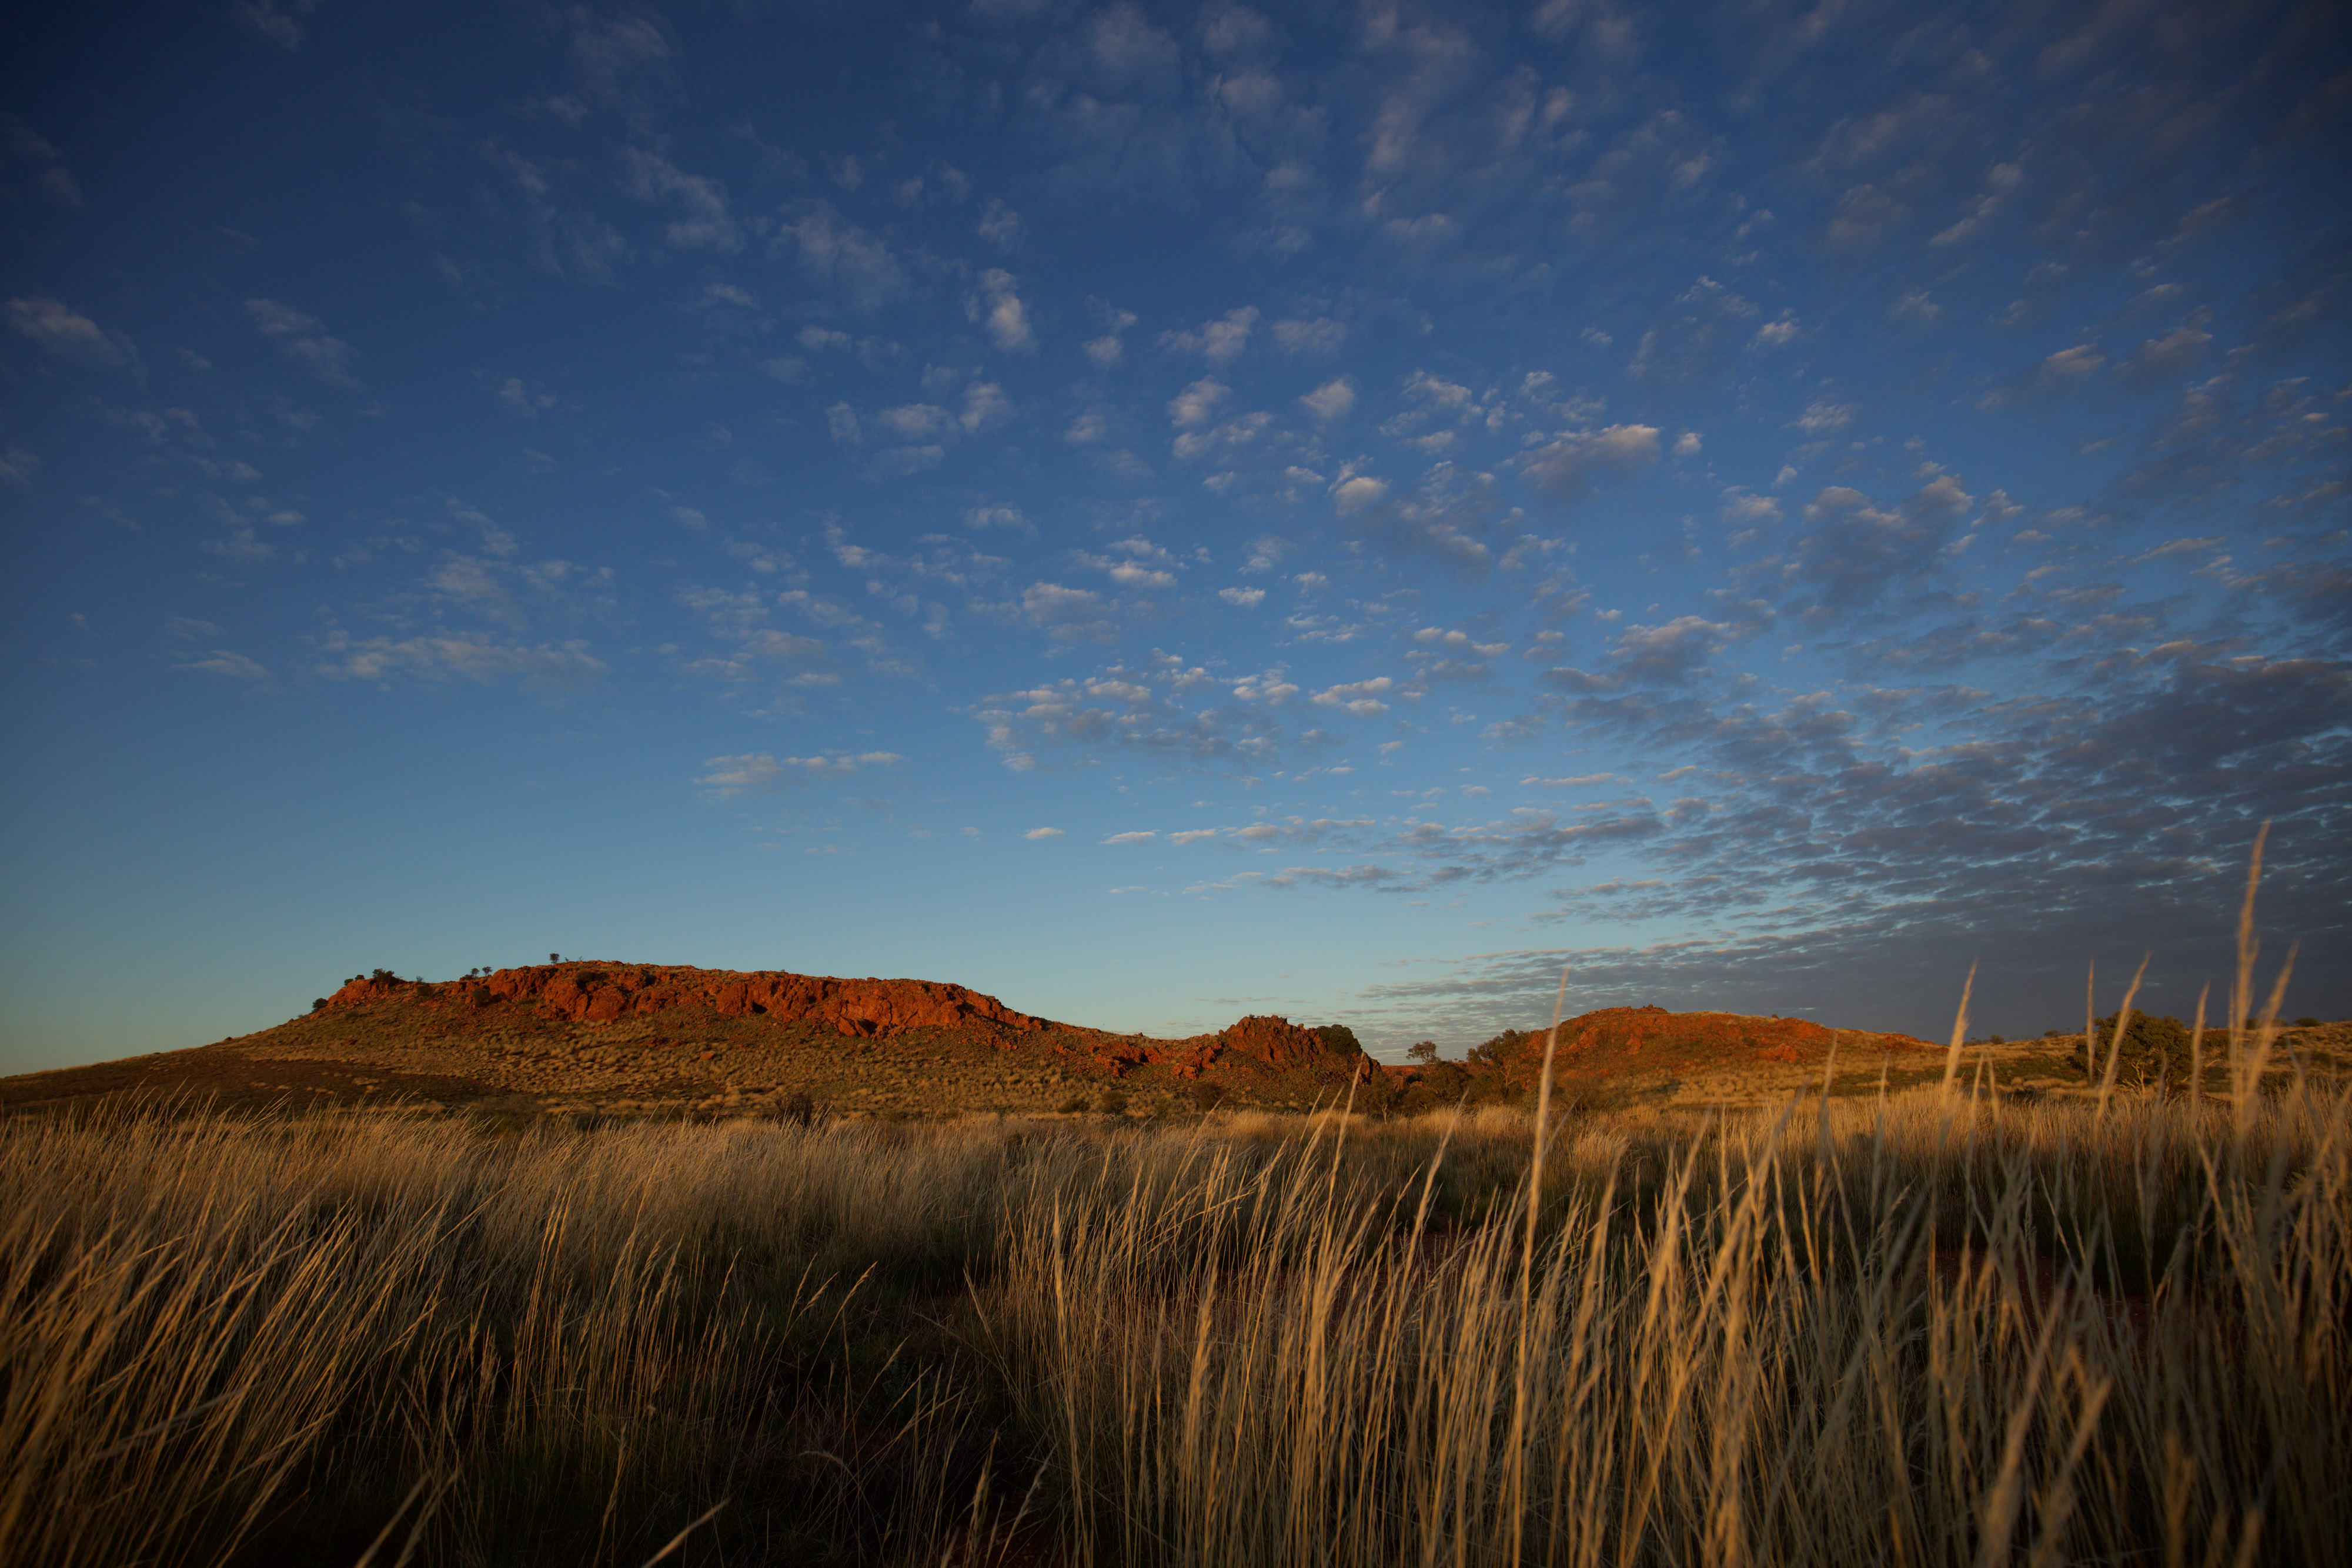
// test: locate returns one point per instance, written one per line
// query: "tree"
(1338, 1037)
(1423, 1051)
(2154, 1049)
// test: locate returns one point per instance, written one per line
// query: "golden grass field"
(1935, 1328)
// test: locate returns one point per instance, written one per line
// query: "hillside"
(633, 1039)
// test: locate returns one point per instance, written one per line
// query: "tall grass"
(1898, 1333)
(1935, 1328)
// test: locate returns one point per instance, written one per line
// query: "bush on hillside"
(2155, 1050)
(1338, 1037)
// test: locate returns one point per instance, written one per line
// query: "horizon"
(1156, 513)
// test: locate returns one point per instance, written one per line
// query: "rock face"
(602, 993)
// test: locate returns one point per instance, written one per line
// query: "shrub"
(2154, 1049)
(317, 1003)
(1075, 1105)
(797, 1109)
(1339, 1037)
(2307, 1023)
(1113, 1103)
(1502, 1048)
(1208, 1096)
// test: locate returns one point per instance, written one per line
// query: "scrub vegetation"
(1938, 1327)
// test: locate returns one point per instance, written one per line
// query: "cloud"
(1162, 706)
(833, 251)
(758, 773)
(1042, 833)
(1070, 614)
(1355, 494)
(1854, 552)
(471, 657)
(41, 167)
(703, 221)
(301, 338)
(1000, 311)
(2170, 355)
(517, 398)
(1331, 401)
(278, 21)
(1567, 466)
(1359, 699)
(1863, 876)
(1320, 336)
(61, 331)
(1138, 838)
(1197, 404)
(1219, 343)
(230, 666)
(1007, 518)
(999, 226)
(1243, 598)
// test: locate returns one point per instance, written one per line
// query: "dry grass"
(1929, 1329)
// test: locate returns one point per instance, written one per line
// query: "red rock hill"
(1634, 1041)
(604, 992)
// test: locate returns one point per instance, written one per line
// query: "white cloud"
(1915, 306)
(1219, 341)
(1568, 464)
(64, 333)
(1197, 404)
(1822, 416)
(1354, 495)
(233, 666)
(517, 398)
(1332, 400)
(841, 423)
(984, 406)
(300, 337)
(1139, 838)
(1000, 311)
(1042, 833)
(757, 772)
(1360, 698)
(472, 656)
(704, 221)
(279, 21)
(1775, 334)
(832, 250)
(50, 177)
(998, 226)
(1321, 336)
(1007, 518)
(1243, 598)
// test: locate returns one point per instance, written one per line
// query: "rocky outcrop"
(1616, 1038)
(605, 992)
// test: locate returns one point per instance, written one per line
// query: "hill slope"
(633, 1037)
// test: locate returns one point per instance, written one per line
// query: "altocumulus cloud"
(758, 773)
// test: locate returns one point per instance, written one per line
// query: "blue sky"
(1158, 511)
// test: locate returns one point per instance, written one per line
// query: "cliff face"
(602, 993)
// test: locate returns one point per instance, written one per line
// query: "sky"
(1158, 512)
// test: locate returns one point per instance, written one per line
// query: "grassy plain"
(1930, 1328)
